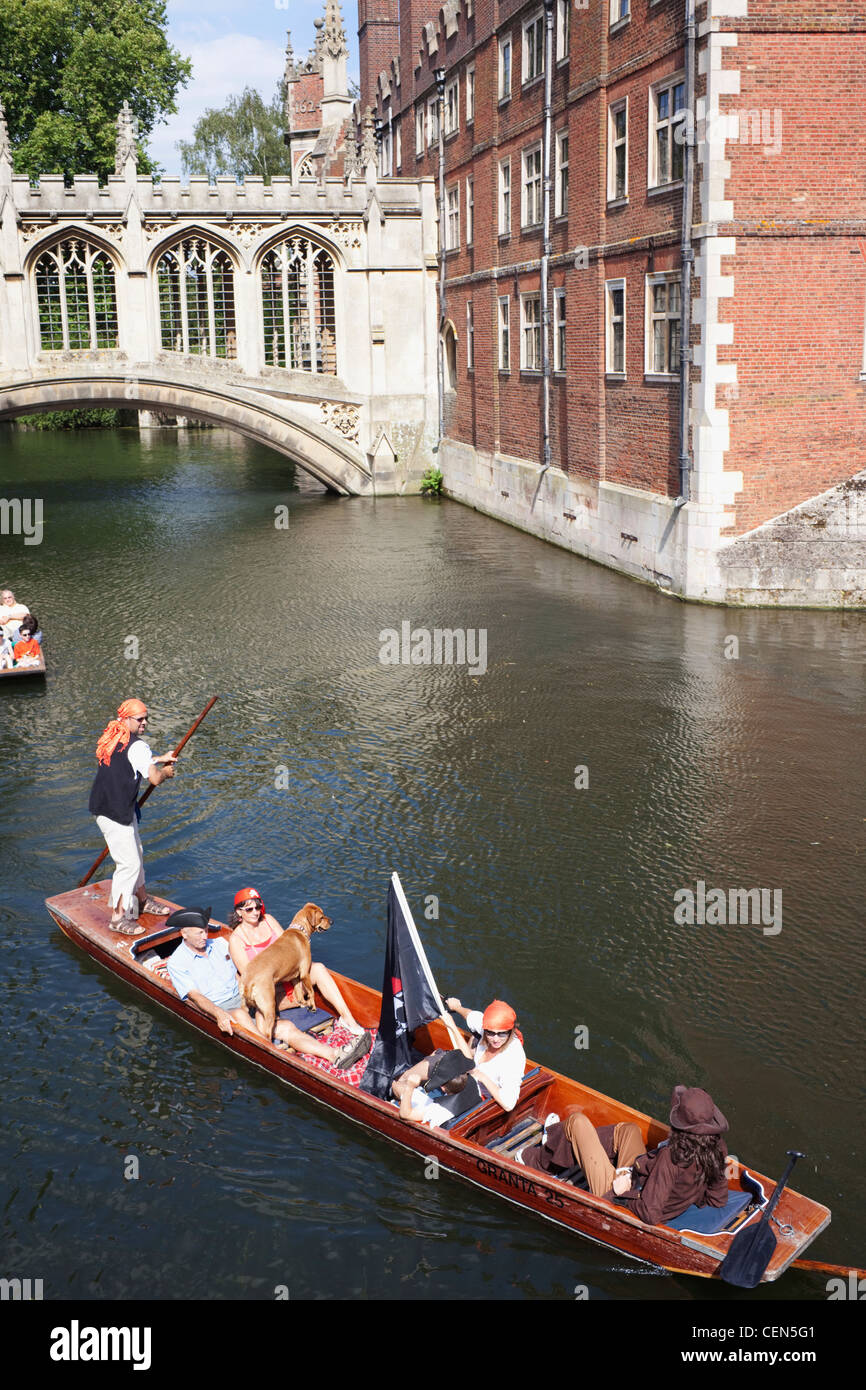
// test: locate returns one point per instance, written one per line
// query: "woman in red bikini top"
(254, 929)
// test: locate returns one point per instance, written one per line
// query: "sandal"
(127, 926)
(154, 908)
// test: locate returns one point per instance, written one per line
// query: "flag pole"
(425, 964)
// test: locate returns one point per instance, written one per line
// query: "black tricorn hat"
(189, 917)
(446, 1068)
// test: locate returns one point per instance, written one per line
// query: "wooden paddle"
(141, 800)
(752, 1250)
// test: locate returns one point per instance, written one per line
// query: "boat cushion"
(306, 1019)
(708, 1221)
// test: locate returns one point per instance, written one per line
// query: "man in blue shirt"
(203, 972)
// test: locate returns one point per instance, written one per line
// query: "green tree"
(243, 137)
(66, 68)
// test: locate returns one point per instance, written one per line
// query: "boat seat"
(505, 1143)
(709, 1221)
(575, 1176)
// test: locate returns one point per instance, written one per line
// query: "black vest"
(115, 787)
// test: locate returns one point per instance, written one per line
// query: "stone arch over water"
(335, 461)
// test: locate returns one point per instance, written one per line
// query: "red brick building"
(738, 475)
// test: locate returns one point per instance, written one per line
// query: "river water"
(320, 771)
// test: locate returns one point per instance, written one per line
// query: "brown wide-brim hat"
(695, 1112)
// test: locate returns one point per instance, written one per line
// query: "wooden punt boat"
(25, 670)
(464, 1148)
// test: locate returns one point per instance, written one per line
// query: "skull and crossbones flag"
(409, 997)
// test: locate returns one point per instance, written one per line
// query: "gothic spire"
(369, 152)
(289, 71)
(5, 147)
(126, 144)
(334, 36)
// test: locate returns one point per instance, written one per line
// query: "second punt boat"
(478, 1145)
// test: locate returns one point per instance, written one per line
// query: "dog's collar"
(304, 932)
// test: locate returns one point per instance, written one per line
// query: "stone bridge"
(300, 313)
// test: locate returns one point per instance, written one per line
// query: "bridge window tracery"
(298, 307)
(76, 297)
(195, 280)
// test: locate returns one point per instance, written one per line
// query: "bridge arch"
(278, 424)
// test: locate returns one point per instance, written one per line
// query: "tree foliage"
(243, 137)
(66, 68)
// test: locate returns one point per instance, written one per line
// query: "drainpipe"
(687, 254)
(440, 92)
(545, 244)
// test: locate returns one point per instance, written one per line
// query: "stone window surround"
(613, 197)
(653, 125)
(610, 286)
(657, 278)
(506, 41)
(531, 186)
(530, 332)
(503, 333)
(534, 23)
(559, 321)
(503, 197)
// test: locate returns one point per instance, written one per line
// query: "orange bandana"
(499, 1015)
(114, 735)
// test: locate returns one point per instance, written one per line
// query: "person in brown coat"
(689, 1170)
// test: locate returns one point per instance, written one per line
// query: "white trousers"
(124, 846)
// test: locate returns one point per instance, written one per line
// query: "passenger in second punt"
(254, 929)
(689, 1170)
(202, 970)
(11, 614)
(27, 651)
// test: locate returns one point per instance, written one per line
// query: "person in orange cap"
(254, 928)
(496, 1049)
(123, 759)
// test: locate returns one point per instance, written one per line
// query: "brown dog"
(286, 959)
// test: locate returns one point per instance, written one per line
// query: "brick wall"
(798, 187)
(796, 410)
